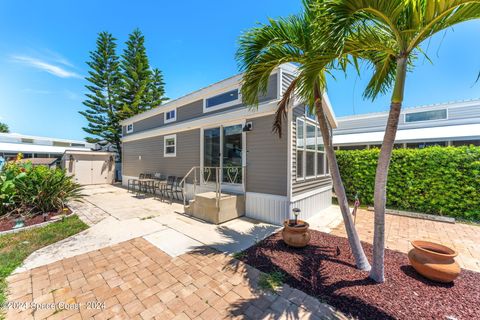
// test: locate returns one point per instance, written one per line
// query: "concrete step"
(229, 207)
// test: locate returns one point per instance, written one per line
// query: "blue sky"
(44, 46)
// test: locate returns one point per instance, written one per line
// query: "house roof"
(39, 161)
(33, 148)
(468, 132)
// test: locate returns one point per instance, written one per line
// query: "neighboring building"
(210, 129)
(37, 147)
(45, 162)
(448, 124)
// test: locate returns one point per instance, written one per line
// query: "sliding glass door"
(223, 149)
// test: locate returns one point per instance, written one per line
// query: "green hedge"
(435, 180)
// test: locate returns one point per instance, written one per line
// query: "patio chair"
(170, 187)
(133, 183)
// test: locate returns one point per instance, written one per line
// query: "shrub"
(435, 180)
(31, 190)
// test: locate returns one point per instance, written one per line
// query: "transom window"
(170, 116)
(311, 161)
(130, 128)
(426, 115)
(222, 100)
(170, 145)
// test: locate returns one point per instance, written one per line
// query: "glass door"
(223, 148)
(211, 154)
(232, 154)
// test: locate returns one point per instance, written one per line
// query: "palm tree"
(403, 25)
(264, 48)
(4, 128)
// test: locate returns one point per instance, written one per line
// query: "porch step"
(204, 207)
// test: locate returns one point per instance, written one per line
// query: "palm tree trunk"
(380, 195)
(360, 259)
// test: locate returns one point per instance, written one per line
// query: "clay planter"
(296, 235)
(434, 261)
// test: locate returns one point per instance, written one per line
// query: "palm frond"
(282, 110)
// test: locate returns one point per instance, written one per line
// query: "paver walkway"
(399, 231)
(136, 280)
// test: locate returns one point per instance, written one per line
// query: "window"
(222, 100)
(300, 148)
(309, 115)
(78, 144)
(170, 145)
(170, 116)
(311, 160)
(426, 115)
(130, 128)
(310, 151)
(26, 140)
(321, 158)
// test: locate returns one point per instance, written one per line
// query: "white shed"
(90, 167)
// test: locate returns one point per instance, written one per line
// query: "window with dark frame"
(426, 115)
(222, 98)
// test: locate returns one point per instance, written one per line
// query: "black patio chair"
(133, 183)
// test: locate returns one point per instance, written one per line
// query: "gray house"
(218, 144)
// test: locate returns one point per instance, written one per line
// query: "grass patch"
(16, 247)
(271, 281)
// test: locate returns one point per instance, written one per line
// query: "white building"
(447, 124)
(38, 147)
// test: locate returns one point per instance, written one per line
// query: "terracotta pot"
(434, 261)
(296, 235)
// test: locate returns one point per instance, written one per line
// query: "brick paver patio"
(399, 231)
(136, 280)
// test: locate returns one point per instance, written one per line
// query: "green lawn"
(16, 247)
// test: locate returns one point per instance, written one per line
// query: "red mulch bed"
(9, 222)
(320, 271)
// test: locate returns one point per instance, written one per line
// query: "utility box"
(90, 167)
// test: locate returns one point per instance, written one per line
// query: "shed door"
(99, 171)
(83, 171)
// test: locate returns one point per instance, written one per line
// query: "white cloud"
(46, 66)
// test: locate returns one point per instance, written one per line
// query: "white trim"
(223, 118)
(222, 105)
(165, 138)
(310, 193)
(290, 151)
(165, 120)
(129, 128)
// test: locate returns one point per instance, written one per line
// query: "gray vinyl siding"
(152, 159)
(266, 158)
(301, 186)
(190, 111)
(287, 79)
(194, 110)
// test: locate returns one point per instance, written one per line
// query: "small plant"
(271, 281)
(239, 255)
